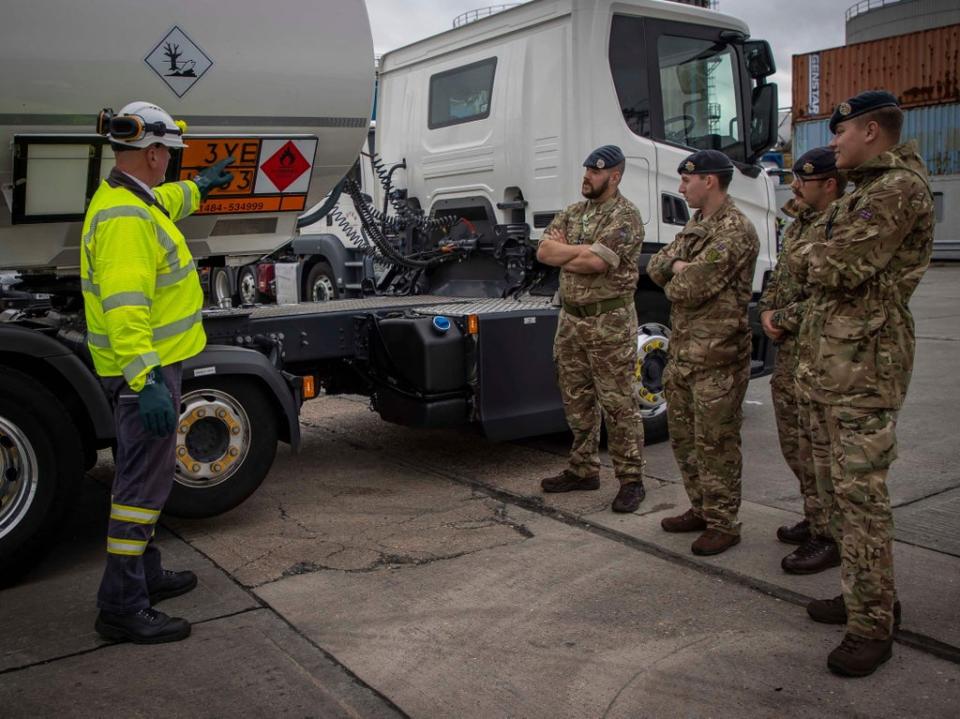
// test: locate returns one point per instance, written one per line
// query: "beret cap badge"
(689, 166)
(844, 108)
(808, 168)
(600, 163)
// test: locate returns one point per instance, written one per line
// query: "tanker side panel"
(300, 69)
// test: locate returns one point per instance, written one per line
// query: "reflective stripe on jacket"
(142, 295)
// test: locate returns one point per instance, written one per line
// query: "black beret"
(604, 157)
(816, 162)
(706, 162)
(860, 104)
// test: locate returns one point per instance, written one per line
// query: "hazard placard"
(286, 168)
(270, 174)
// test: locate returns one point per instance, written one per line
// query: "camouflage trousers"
(793, 428)
(704, 414)
(596, 361)
(853, 449)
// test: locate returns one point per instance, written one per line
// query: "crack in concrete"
(386, 560)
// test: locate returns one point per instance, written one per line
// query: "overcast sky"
(792, 26)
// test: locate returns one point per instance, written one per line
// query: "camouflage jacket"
(709, 298)
(786, 291)
(615, 230)
(868, 252)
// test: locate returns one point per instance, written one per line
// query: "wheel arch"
(224, 361)
(68, 378)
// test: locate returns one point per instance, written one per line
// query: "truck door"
(681, 88)
(698, 103)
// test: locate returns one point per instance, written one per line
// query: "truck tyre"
(226, 442)
(653, 342)
(247, 286)
(221, 287)
(41, 465)
(321, 283)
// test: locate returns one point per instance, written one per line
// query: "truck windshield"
(699, 89)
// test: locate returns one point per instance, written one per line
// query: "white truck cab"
(494, 118)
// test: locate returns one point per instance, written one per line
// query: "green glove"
(213, 176)
(156, 406)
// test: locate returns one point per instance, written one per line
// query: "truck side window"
(698, 85)
(628, 66)
(462, 94)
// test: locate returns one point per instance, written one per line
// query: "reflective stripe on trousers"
(144, 477)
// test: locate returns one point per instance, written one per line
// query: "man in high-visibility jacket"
(142, 300)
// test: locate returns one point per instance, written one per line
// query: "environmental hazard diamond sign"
(178, 61)
(286, 167)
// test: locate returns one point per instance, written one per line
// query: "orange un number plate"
(253, 188)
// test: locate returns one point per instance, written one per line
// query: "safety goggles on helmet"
(151, 125)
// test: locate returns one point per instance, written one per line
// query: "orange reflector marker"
(309, 387)
(473, 325)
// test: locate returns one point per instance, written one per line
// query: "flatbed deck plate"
(488, 306)
(367, 304)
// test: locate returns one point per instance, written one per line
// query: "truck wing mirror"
(763, 124)
(758, 58)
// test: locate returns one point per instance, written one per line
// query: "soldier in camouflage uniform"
(707, 274)
(596, 244)
(867, 256)
(782, 306)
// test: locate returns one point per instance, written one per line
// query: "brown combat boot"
(834, 611)
(814, 555)
(714, 541)
(858, 656)
(796, 534)
(567, 481)
(629, 497)
(686, 522)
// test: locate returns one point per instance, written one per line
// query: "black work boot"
(834, 611)
(567, 481)
(629, 497)
(171, 584)
(859, 656)
(814, 555)
(148, 626)
(796, 534)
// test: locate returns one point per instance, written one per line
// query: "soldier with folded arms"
(707, 274)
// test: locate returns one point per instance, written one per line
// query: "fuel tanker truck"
(469, 169)
(286, 89)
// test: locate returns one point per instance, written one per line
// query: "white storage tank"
(300, 71)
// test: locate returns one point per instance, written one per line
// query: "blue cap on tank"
(441, 324)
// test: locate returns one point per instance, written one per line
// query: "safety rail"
(866, 6)
(474, 15)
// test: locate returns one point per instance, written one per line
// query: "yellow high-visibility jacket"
(141, 292)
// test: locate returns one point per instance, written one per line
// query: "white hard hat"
(141, 124)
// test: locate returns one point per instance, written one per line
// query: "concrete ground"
(386, 571)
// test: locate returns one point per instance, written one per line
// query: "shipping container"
(936, 129)
(920, 68)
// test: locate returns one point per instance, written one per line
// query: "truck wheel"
(653, 341)
(221, 288)
(247, 286)
(41, 465)
(226, 442)
(321, 283)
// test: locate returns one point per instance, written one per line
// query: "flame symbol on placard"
(287, 157)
